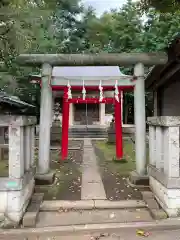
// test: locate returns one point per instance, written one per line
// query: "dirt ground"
(67, 185)
(114, 174)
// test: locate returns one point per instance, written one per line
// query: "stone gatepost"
(164, 156)
(16, 189)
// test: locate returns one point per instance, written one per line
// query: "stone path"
(55, 234)
(78, 217)
(92, 185)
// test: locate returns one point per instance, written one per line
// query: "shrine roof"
(90, 72)
(91, 75)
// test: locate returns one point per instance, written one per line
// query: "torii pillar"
(43, 170)
(139, 176)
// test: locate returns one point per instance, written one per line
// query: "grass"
(109, 151)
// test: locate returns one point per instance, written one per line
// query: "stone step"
(161, 230)
(78, 217)
(29, 218)
(154, 208)
(87, 136)
(55, 205)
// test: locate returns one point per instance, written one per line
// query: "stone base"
(137, 179)
(169, 199)
(14, 203)
(120, 161)
(45, 179)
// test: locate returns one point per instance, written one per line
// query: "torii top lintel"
(104, 59)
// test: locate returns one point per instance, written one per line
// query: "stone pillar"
(16, 189)
(102, 113)
(140, 120)
(164, 174)
(159, 148)
(28, 148)
(45, 120)
(16, 152)
(71, 114)
(171, 152)
(152, 145)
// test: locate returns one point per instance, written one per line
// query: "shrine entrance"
(116, 100)
(86, 114)
(72, 77)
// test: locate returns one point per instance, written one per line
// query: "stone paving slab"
(47, 219)
(159, 230)
(92, 190)
(123, 235)
(92, 185)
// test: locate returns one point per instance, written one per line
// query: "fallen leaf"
(142, 233)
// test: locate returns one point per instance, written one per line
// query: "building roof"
(87, 72)
(160, 74)
(14, 101)
(91, 75)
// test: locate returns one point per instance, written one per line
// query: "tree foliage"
(65, 26)
(160, 5)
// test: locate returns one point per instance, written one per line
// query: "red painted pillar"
(65, 126)
(118, 128)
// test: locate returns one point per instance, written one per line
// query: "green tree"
(160, 5)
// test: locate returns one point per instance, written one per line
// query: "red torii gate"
(112, 100)
(108, 100)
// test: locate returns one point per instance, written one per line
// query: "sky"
(104, 5)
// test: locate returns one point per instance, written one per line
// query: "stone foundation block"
(45, 179)
(169, 199)
(158, 214)
(14, 203)
(147, 195)
(137, 179)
